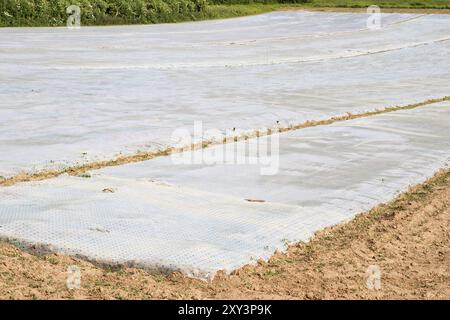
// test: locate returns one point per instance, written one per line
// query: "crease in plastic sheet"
(76, 96)
(194, 218)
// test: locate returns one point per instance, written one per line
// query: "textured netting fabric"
(198, 219)
(76, 96)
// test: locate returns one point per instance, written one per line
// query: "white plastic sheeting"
(195, 218)
(71, 96)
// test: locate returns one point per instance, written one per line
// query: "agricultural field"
(15, 13)
(280, 155)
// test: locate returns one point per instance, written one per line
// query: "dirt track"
(407, 238)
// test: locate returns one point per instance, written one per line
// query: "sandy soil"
(408, 239)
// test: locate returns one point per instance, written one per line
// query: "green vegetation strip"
(33, 13)
(411, 4)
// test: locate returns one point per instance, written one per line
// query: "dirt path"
(408, 239)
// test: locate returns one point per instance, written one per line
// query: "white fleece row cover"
(195, 217)
(74, 96)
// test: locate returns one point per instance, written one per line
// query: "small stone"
(255, 200)
(84, 175)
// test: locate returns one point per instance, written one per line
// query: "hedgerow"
(97, 12)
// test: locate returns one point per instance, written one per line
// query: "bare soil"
(408, 239)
